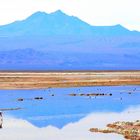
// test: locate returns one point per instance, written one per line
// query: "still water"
(59, 116)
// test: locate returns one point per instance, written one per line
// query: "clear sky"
(95, 12)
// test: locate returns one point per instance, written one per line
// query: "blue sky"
(95, 12)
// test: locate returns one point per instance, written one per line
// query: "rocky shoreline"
(130, 130)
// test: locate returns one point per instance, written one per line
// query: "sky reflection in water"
(64, 117)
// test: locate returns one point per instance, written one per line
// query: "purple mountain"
(58, 41)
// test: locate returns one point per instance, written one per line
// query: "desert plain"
(50, 79)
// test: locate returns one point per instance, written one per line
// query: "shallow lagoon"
(61, 116)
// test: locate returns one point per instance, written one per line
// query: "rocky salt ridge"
(130, 130)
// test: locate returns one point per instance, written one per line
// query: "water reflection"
(18, 128)
(66, 117)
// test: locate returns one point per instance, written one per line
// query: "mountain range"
(57, 41)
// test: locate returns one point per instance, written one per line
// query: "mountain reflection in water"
(18, 128)
(67, 117)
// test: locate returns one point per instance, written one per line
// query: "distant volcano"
(58, 41)
(58, 23)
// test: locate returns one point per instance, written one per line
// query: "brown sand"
(38, 80)
(130, 130)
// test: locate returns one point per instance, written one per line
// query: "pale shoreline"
(50, 79)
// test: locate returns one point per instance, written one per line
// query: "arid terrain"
(130, 130)
(34, 80)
